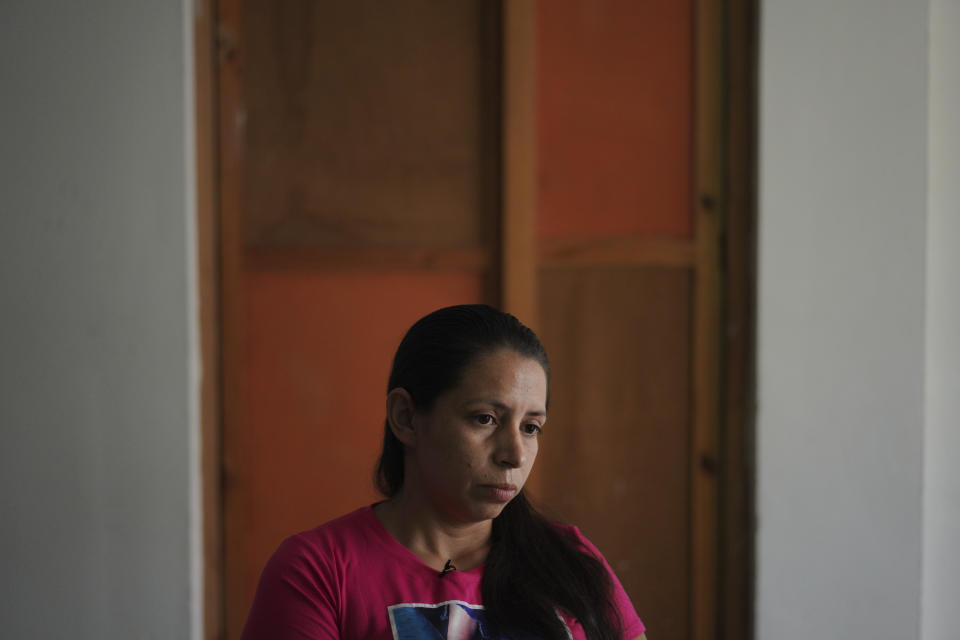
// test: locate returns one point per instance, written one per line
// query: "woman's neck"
(433, 538)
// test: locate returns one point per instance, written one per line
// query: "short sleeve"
(632, 625)
(297, 597)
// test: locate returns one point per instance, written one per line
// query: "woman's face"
(475, 447)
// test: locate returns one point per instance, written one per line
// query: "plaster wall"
(841, 320)
(98, 537)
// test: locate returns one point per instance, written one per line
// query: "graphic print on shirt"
(450, 620)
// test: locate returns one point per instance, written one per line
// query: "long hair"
(534, 568)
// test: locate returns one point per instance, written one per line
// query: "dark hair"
(534, 567)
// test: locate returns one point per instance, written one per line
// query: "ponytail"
(536, 568)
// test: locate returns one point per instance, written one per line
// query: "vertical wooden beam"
(208, 276)
(518, 269)
(737, 451)
(708, 207)
(231, 115)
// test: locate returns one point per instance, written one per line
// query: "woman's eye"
(484, 419)
(532, 429)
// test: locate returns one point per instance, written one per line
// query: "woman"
(455, 551)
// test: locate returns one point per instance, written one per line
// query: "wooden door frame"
(518, 261)
(725, 42)
(203, 21)
(722, 254)
(737, 506)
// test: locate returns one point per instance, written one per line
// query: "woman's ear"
(400, 416)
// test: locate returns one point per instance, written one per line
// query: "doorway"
(585, 165)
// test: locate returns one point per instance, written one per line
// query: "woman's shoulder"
(357, 520)
(302, 582)
(333, 538)
(633, 626)
(572, 532)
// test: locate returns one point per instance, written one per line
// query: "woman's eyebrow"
(499, 406)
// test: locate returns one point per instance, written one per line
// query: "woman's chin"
(488, 510)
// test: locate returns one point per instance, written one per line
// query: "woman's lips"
(500, 492)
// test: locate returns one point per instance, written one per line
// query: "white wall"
(98, 522)
(941, 522)
(859, 351)
(841, 333)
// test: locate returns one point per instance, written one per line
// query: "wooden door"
(623, 283)
(627, 296)
(359, 190)
(381, 159)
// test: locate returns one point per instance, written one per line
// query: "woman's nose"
(510, 451)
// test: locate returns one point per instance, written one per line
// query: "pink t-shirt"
(350, 579)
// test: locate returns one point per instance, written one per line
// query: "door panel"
(619, 260)
(614, 92)
(359, 190)
(317, 355)
(366, 124)
(613, 458)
